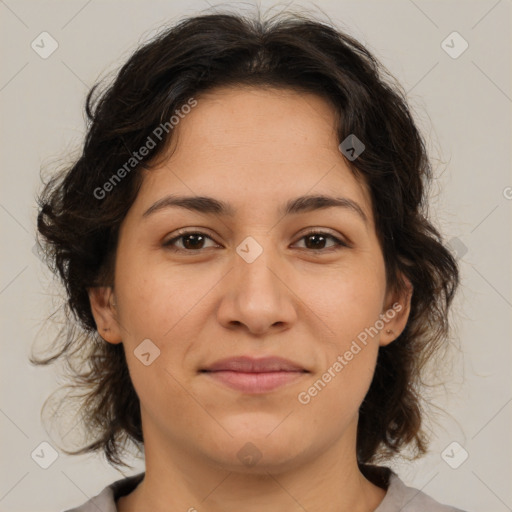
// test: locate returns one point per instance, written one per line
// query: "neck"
(176, 479)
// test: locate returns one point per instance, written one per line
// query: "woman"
(243, 245)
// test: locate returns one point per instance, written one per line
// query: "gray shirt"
(399, 498)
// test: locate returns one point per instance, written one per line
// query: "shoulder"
(400, 497)
(106, 499)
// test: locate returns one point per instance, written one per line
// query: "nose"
(258, 296)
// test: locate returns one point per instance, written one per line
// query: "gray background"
(462, 104)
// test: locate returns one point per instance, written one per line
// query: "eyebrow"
(212, 206)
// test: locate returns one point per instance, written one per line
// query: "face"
(194, 286)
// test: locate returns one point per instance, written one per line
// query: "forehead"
(249, 116)
(250, 146)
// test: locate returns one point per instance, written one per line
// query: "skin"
(254, 149)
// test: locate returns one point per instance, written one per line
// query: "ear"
(104, 311)
(396, 313)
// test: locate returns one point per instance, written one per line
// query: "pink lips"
(254, 375)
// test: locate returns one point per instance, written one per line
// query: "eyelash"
(338, 243)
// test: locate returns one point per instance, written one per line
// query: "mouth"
(254, 376)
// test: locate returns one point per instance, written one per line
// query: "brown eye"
(191, 241)
(316, 241)
(194, 241)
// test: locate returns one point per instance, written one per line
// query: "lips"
(254, 376)
(250, 365)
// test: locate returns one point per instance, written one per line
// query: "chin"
(260, 450)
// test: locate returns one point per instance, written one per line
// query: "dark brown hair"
(79, 221)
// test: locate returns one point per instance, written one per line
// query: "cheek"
(163, 307)
(337, 393)
(153, 297)
(349, 304)
(348, 299)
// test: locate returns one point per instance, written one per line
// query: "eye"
(317, 240)
(192, 241)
